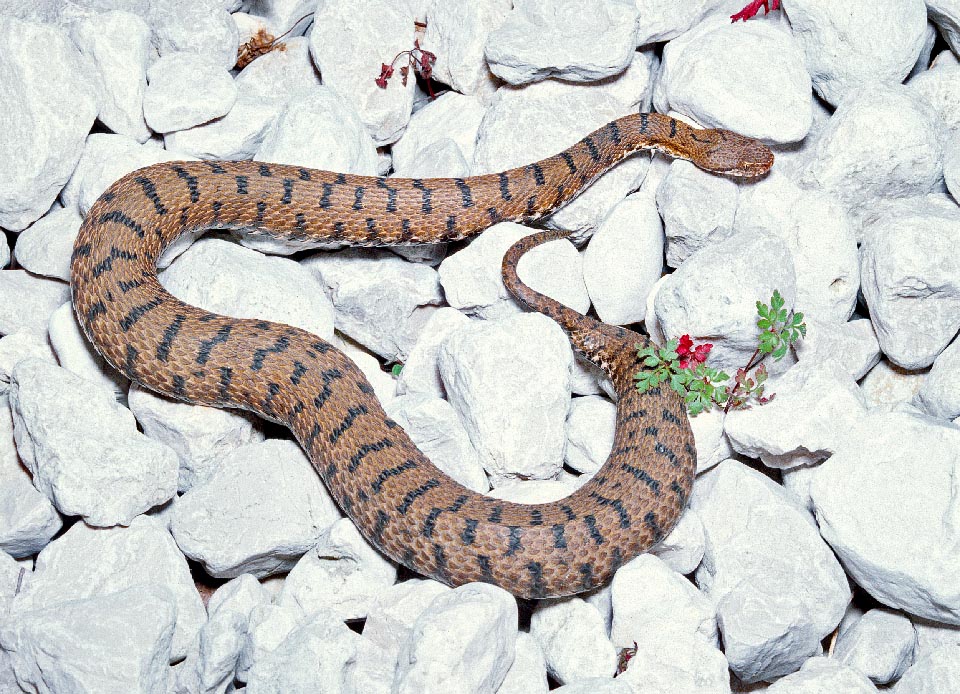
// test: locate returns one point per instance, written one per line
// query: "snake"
(401, 502)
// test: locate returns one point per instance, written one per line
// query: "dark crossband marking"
(358, 198)
(120, 218)
(642, 475)
(287, 191)
(301, 221)
(179, 386)
(466, 198)
(514, 546)
(352, 414)
(559, 540)
(150, 190)
(636, 414)
(679, 491)
(537, 173)
(137, 312)
(298, 371)
(651, 522)
(304, 174)
(616, 561)
(380, 525)
(372, 233)
(169, 333)
(131, 360)
(272, 390)
(328, 376)
(440, 559)
(591, 523)
(568, 160)
(592, 148)
(391, 194)
(415, 494)
(365, 450)
(431, 521)
(505, 187)
(311, 437)
(496, 515)
(82, 251)
(452, 224)
(206, 346)
(405, 233)
(367, 389)
(226, 375)
(644, 118)
(532, 206)
(264, 171)
(425, 206)
(126, 286)
(103, 266)
(215, 167)
(616, 505)
(651, 431)
(569, 511)
(486, 573)
(702, 140)
(586, 576)
(669, 416)
(469, 533)
(242, 185)
(673, 127)
(536, 517)
(261, 210)
(325, 197)
(339, 229)
(537, 589)
(191, 181)
(281, 345)
(217, 206)
(377, 485)
(341, 178)
(494, 215)
(97, 309)
(614, 132)
(661, 449)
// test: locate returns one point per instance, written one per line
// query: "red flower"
(751, 9)
(691, 355)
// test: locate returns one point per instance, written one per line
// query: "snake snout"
(738, 155)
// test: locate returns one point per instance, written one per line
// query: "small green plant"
(681, 364)
(395, 370)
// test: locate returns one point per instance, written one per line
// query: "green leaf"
(776, 301)
(764, 324)
(762, 309)
(651, 362)
(780, 351)
(396, 369)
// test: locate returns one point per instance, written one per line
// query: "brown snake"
(399, 500)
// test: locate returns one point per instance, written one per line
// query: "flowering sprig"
(753, 7)
(417, 58)
(681, 363)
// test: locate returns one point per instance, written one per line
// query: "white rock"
(249, 285)
(504, 142)
(930, 37)
(106, 158)
(463, 641)
(685, 663)
(888, 384)
(443, 159)
(698, 208)
(938, 87)
(434, 427)
(933, 635)
(682, 550)
(83, 449)
(778, 588)
(118, 43)
(823, 675)
(702, 76)
(910, 280)
(379, 299)
(420, 373)
(540, 40)
(650, 600)
(26, 301)
(946, 15)
(715, 293)
(858, 44)
(202, 27)
(456, 33)
(27, 518)
(892, 539)
(44, 248)
(76, 354)
(662, 20)
(268, 626)
(820, 237)
(391, 617)
(509, 382)
(384, 385)
(201, 436)
(50, 646)
(528, 674)
(451, 116)
(321, 650)
(379, 30)
(12, 576)
(591, 423)
(343, 574)
(258, 513)
(937, 672)
(862, 154)
(573, 637)
(472, 277)
(595, 685)
(19, 346)
(43, 73)
(535, 491)
(880, 645)
(186, 89)
(951, 168)
(284, 15)
(852, 344)
(4, 252)
(88, 562)
(816, 406)
(624, 259)
(937, 394)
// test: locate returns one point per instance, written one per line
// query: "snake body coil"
(399, 500)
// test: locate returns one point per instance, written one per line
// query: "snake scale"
(399, 500)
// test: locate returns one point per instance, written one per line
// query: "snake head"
(730, 153)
